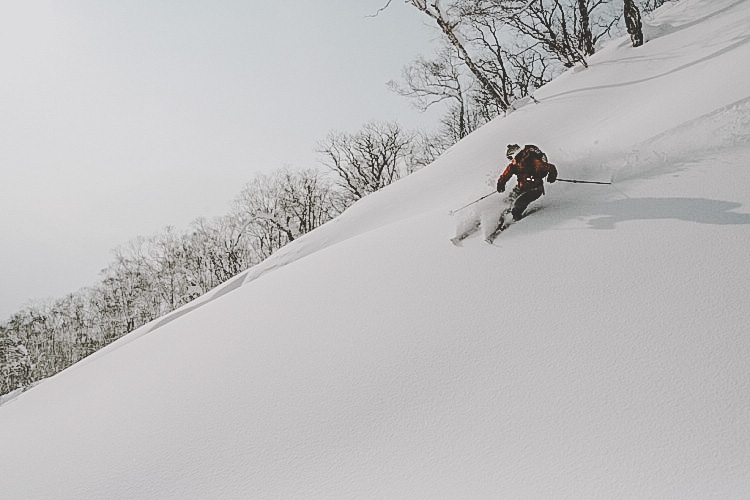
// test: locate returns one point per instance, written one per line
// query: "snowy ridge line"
(649, 78)
(155, 324)
(139, 332)
(675, 7)
(724, 127)
(290, 253)
(267, 266)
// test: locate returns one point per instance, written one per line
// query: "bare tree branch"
(377, 13)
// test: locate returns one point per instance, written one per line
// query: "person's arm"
(504, 178)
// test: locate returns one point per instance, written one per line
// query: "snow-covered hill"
(599, 349)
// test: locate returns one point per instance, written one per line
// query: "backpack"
(530, 150)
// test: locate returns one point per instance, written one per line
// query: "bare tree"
(368, 160)
(258, 207)
(168, 257)
(448, 19)
(650, 5)
(566, 29)
(586, 38)
(15, 365)
(127, 295)
(505, 45)
(309, 199)
(219, 250)
(508, 60)
(427, 147)
(633, 22)
(441, 80)
(276, 209)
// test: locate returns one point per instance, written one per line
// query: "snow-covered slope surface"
(599, 349)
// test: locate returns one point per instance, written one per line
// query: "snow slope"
(599, 349)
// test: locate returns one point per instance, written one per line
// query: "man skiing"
(530, 167)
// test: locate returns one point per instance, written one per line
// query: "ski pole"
(469, 204)
(582, 182)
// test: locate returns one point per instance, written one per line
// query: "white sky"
(119, 118)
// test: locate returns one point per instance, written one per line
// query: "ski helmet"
(512, 150)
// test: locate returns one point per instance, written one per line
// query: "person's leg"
(523, 200)
(505, 215)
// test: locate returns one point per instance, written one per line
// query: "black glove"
(500, 187)
(552, 176)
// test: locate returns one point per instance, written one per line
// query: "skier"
(530, 166)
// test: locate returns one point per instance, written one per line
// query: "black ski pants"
(521, 199)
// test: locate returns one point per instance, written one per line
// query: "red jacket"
(530, 168)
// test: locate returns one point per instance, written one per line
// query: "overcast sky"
(121, 117)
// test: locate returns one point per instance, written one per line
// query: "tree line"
(152, 276)
(491, 53)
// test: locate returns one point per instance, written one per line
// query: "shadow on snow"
(701, 210)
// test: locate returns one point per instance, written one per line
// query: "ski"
(461, 237)
(491, 238)
(503, 226)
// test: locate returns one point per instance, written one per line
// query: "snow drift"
(598, 349)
